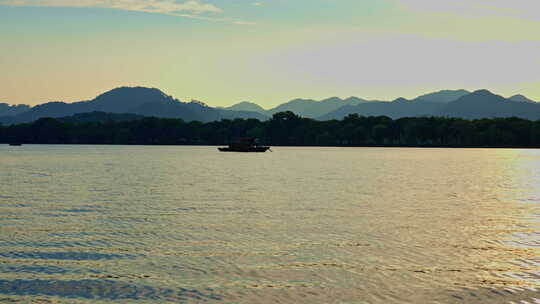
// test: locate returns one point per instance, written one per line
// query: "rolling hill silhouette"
(395, 109)
(444, 96)
(431, 104)
(484, 104)
(520, 98)
(308, 108)
(10, 110)
(143, 101)
(248, 106)
(478, 104)
(133, 100)
(312, 109)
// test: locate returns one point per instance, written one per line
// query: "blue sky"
(226, 51)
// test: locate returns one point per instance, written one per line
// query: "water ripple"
(101, 289)
(301, 225)
(66, 255)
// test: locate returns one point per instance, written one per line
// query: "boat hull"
(249, 149)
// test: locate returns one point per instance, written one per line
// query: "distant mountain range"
(10, 110)
(449, 103)
(308, 108)
(140, 102)
(460, 103)
(131, 100)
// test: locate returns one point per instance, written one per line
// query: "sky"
(267, 51)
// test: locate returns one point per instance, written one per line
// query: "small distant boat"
(245, 145)
(15, 144)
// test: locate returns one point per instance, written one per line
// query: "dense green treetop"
(284, 128)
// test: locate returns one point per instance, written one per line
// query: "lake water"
(91, 224)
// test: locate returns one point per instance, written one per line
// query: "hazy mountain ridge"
(444, 96)
(337, 108)
(310, 108)
(11, 110)
(484, 104)
(431, 104)
(247, 106)
(133, 100)
(478, 104)
(520, 98)
(143, 101)
(396, 109)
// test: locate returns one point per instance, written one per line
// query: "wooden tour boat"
(245, 145)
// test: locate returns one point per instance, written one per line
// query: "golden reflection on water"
(313, 225)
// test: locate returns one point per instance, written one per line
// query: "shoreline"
(284, 146)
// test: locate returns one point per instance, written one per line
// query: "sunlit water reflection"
(314, 225)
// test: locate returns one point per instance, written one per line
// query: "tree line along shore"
(283, 129)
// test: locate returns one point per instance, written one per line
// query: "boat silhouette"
(245, 145)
